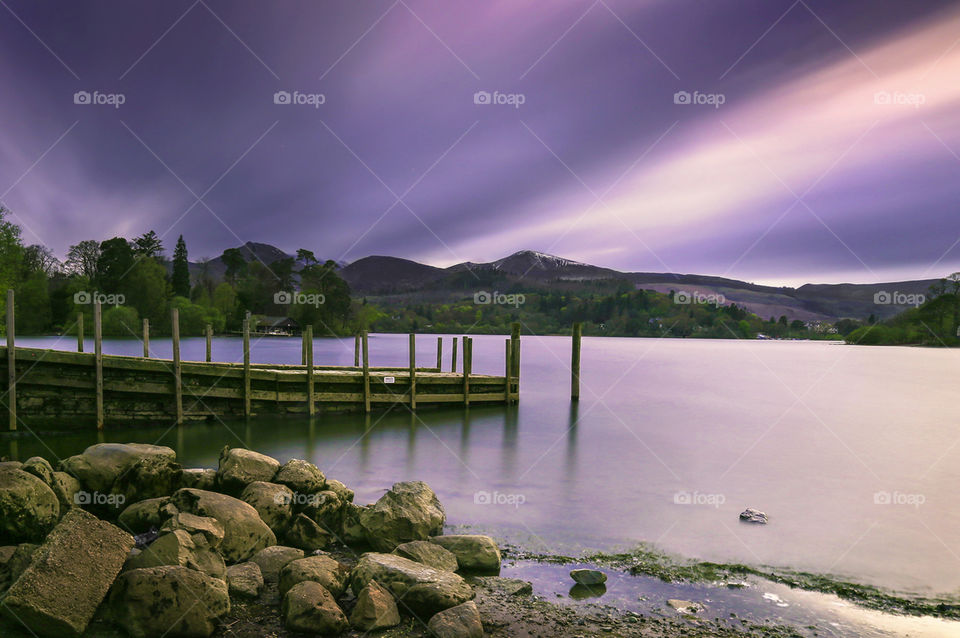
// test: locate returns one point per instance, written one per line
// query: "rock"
(584, 592)
(326, 508)
(65, 487)
(751, 515)
(351, 531)
(168, 601)
(309, 608)
(424, 590)
(509, 586)
(39, 467)
(28, 507)
(273, 502)
(685, 606)
(429, 554)
(302, 477)
(151, 476)
(100, 465)
(473, 551)
(10, 465)
(410, 511)
(588, 577)
(141, 517)
(199, 478)
(180, 548)
(307, 534)
(240, 467)
(20, 560)
(320, 569)
(341, 490)
(244, 580)
(272, 559)
(375, 609)
(462, 621)
(245, 533)
(69, 576)
(209, 528)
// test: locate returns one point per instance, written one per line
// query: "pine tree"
(181, 270)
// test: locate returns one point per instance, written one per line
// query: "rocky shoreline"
(122, 541)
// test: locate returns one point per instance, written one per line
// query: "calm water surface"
(852, 451)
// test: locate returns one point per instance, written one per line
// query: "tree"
(148, 291)
(181, 270)
(82, 259)
(235, 262)
(11, 255)
(305, 257)
(114, 264)
(283, 270)
(37, 258)
(148, 245)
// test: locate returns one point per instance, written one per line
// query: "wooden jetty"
(76, 388)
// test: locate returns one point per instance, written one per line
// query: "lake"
(852, 451)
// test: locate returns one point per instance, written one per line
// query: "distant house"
(277, 326)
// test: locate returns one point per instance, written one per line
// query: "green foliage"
(936, 322)
(194, 318)
(180, 278)
(121, 321)
(113, 265)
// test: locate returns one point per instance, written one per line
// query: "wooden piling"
(11, 362)
(356, 351)
(79, 332)
(575, 362)
(98, 359)
(246, 367)
(308, 340)
(177, 378)
(413, 371)
(146, 338)
(453, 356)
(506, 369)
(439, 354)
(366, 372)
(303, 347)
(515, 357)
(209, 343)
(467, 369)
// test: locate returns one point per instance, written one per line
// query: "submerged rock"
(409, 511)
(462, 621)
(685, 606)
(751, 515)
(424, 590)
(309, 608)
(28, 507)
(245, 533)
(375, 609)
(69, 576)
(588, 577)
(474, 552)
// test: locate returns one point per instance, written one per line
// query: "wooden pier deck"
(79, 388)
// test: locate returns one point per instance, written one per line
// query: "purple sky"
(803, 173)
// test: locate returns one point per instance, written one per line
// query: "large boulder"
(178, 547)
(424, 590)
(245, 533)
(100, 465)
(351, 531)
(272, 559)
(307, 534)
(341, 490)
(462, 621)
(309, 608)
(430, 554)
(244, 580)
(375, 609)
(326, 508)
(171, 601)
(409, 511)
(273, 502)
(140, 517)
(66, 488)
(320, 569)
(240, 467)
(151, 476)
(69, 576)
(199, 478)
(39, 467)
(302, 477)
(208, 530)
(28, 507)
(473, 551)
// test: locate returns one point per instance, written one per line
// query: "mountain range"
(399, 279)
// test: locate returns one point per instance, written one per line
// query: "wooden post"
(311, 407)
(453, 357)
(413, 371)
(209, 343)
(11, 362)
(439, 353)
(79, 332)
(515, 356)
(506, 368)
(467, 369)
(177, 379)
(98, 360)
(356, 351)
(575, 363)
(303, 347)
(146, 338)
(246, 367)
(366, 372)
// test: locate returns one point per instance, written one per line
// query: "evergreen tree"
(181, 270)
